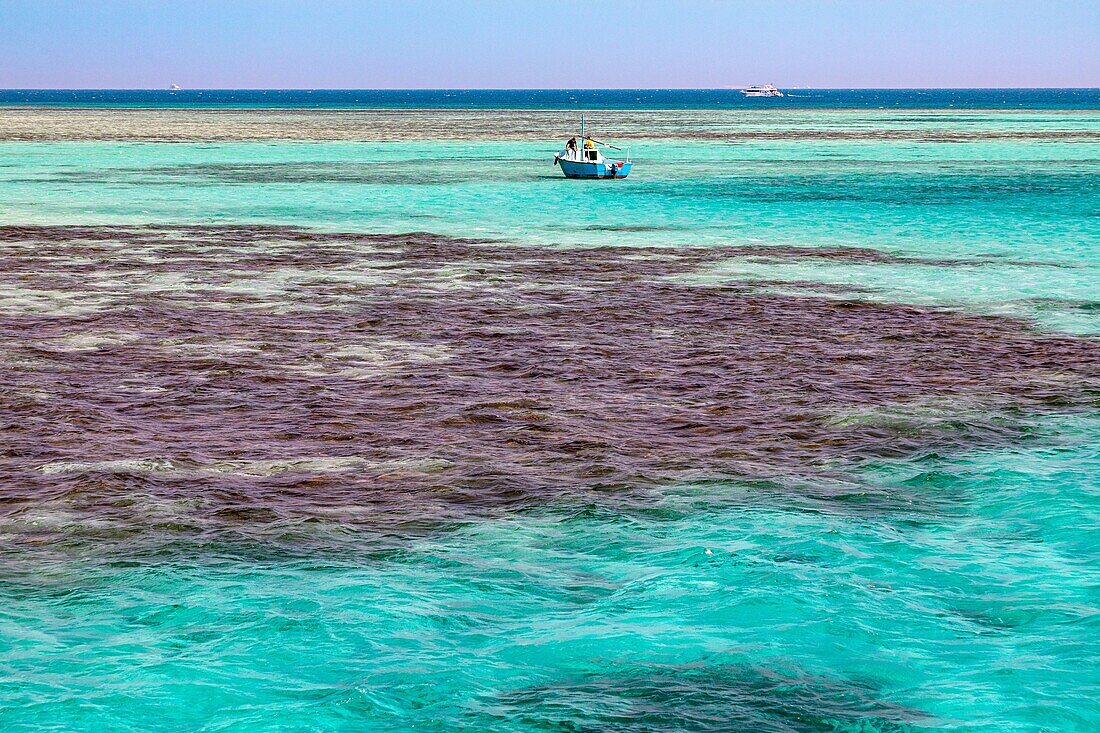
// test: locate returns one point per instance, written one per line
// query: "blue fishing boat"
(584, 159)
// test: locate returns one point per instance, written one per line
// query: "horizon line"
(530, 89)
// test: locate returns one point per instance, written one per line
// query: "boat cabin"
(587, 155)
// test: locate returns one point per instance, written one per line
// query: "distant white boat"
(766, 90)
(173, 87)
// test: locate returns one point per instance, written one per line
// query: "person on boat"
(571, 148)
(588, 144)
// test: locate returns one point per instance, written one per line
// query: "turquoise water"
(1011, 187)
(939, 571)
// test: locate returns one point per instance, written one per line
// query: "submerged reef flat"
(421, 373)
(41, 124)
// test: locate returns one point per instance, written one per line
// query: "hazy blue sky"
(525, 43)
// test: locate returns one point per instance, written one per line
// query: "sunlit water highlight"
(793, 430)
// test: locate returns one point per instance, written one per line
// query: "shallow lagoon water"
(793, 430)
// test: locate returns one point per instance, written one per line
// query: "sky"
(368, 44)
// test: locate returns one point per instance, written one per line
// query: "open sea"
(345, 411)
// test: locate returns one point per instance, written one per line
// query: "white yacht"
(173, 87)
(766, 90)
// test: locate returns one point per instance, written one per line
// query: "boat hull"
(581, 169)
